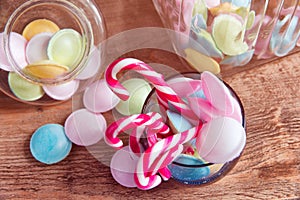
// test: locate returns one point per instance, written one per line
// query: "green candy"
(138, 90)
(24, 89)
(65, 47)
(228, 33)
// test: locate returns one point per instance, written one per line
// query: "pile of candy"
(45, 52)
(203, 118)
(225, 31)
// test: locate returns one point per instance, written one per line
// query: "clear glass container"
(191, 169)
(231, 32)
(82, 16)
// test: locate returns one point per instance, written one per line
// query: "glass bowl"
(81, 16)
(191, 169)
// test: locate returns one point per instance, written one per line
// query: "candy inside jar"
(193, 127)
(190, 167)
(229, 32)
(56, 53)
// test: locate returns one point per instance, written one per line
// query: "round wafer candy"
(203, 41)
(201, 62)
(177, 122)
(138, 90)
(36, 49)
(63, 91)
(85, 128)
(221, 140)
(24, 89)
(238, 60)
(184, 86)
(212, 3)
(39, 26)
(240, 3)
(49, 144)
(98, 97)
(46, 69)
(122, 167)
(183, 174)
(227, 32)
(65, 47)
(17, 44)
(4, 64)
(92, 66)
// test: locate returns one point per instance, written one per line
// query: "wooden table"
(268, 169)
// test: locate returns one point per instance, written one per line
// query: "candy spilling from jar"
(204, 125)
(45, 52)
(226, 32)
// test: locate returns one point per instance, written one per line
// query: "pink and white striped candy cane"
(165, 93)
(159, 156)
(151, 130)
(123, 124)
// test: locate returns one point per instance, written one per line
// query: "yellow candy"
(46, 69)
(225, 7)
(201, 62)
(39, 26)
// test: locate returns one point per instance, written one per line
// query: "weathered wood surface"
(268, 169)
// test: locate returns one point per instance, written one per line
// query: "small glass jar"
(80, 16)
(231, 32)
(191, 169)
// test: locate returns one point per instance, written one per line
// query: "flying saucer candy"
(85, 128)
(65, 47)
(46, 69)
(221, 140)
(49, 144)
(98, 97)
(23, 89)
(227, 33)
(39, 26)
(36, 49)
(139, 90)
(62, 91)
(122, 167)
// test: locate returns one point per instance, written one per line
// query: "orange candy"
(39, 26)
(46, 69)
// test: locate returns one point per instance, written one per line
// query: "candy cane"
(151, 131)
(165, 93)
(157, 157)
(151, 120)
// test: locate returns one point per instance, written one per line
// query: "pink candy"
(18, 44)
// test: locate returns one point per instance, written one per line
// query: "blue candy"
(238, 3)
(49, 144)
(282, 44)
(186, 174)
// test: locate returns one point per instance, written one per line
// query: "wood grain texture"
(268, 169)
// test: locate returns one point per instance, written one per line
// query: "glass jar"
(187, 168)
(216, 33)
(79, 24)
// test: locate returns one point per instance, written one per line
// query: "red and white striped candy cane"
(123, 124)
(158, 157)
(165, 93)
